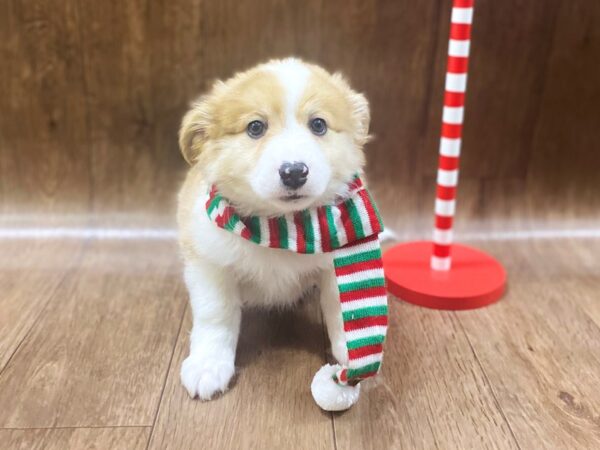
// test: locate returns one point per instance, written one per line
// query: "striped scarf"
(349, 229)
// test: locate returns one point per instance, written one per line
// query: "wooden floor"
(93, 332)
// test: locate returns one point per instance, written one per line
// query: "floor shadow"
(297, 328)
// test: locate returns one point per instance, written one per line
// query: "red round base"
(474, 280)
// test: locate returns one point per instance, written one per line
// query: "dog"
(281, 137)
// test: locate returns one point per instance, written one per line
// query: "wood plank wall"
(91, 94)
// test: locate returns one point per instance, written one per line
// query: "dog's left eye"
(318, 126)
(256, 129)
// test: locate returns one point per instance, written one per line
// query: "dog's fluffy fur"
(224, 272)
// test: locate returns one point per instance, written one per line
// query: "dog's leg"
(332, 312)
(216, 308)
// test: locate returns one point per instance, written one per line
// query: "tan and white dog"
(281, 137)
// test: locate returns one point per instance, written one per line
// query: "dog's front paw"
(207, 376)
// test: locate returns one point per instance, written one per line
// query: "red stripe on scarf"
(365, 351)
(361, 294)
(347, 223)
(359, 267)
(355, 184)
(224, 218)
(246, 232)
(211, 196)
(375, 226)
(274, 233)
(324, 226)
(365, 322)
(300, 241)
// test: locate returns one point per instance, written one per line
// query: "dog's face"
(278, 138)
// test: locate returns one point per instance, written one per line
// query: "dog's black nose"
(293, 175)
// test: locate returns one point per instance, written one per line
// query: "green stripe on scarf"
(364, 284)
(363, 342)
(254, 226)
(355, 218)
(335, 243)
(374, 367)
(232, 222)
(309, 233)
(358, 257)
(213, 204)
(361, 313)
(283, 232)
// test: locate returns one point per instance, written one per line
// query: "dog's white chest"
(277, 277)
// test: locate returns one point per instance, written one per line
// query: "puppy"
(281, 137)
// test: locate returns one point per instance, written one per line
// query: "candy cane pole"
(452, 122)
(441, 274)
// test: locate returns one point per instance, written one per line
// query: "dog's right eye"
(256, 129)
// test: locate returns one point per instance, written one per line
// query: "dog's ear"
(362, 117)
(194, 126)
(359, 106)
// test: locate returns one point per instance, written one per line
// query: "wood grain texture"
(510, 41)
(29, 275)
(550, 394)
(94, 91)
(539, 348)
(382, 48)
(563, 163)
(520, 374)
(91, 95)
(431, 394)
(42, 98)
(235, 35)
(269, 404)
(99, 354)
(135, 54)
(131, 438)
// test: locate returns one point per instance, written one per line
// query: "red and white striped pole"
(452, 121)
(442, 274)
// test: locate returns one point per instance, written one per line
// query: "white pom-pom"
(329, 395)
